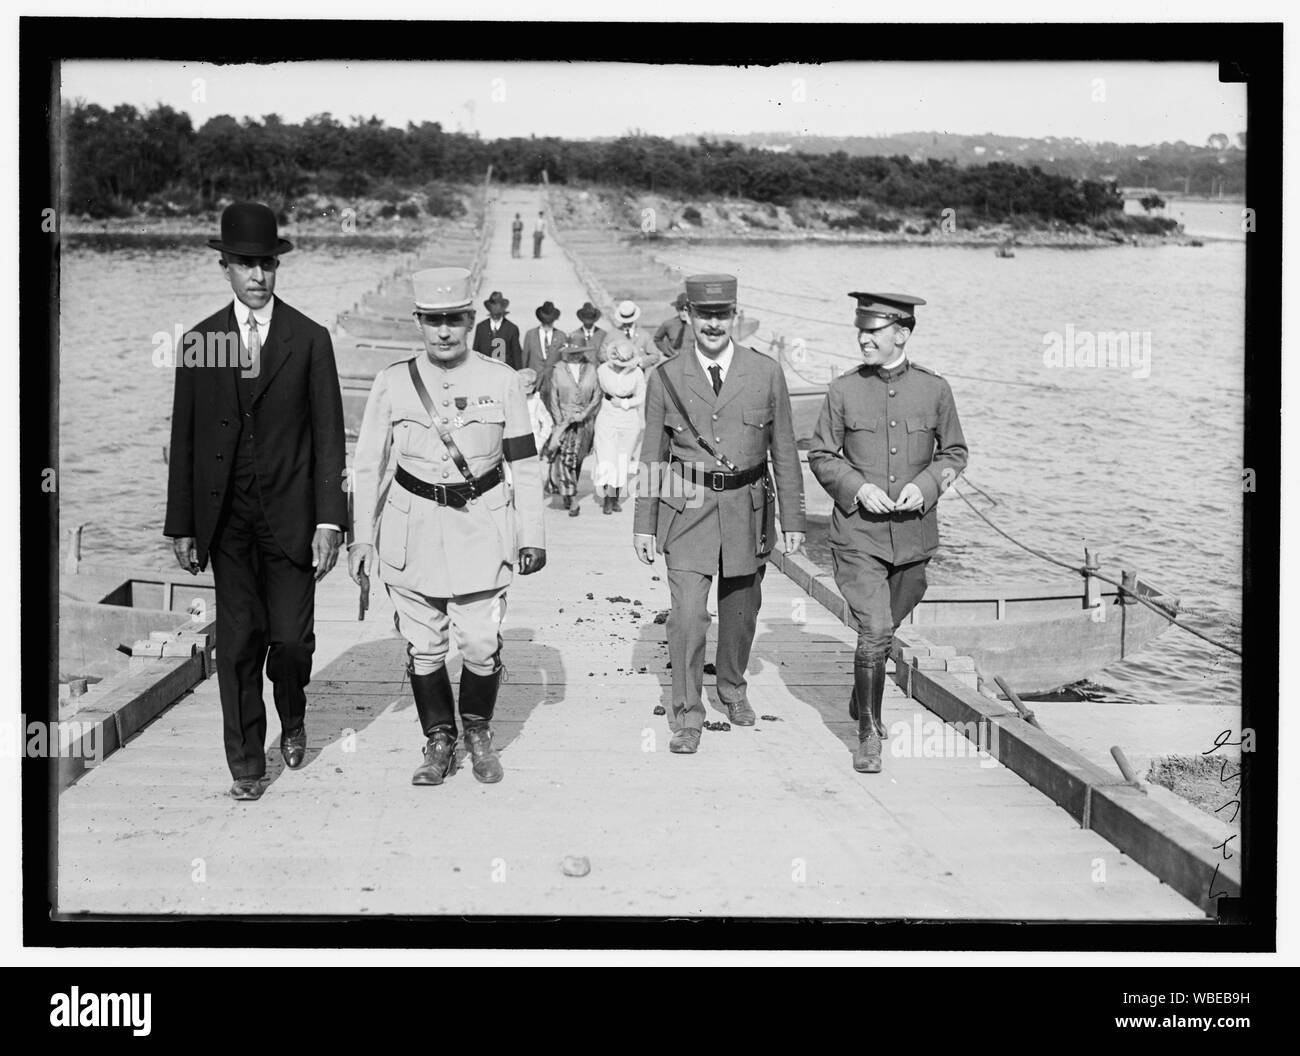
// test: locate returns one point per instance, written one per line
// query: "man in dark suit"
(708, 506)
(496, 336)
(255, 483)
(589, 334)
(543, 347)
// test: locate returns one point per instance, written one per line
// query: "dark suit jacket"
(297, 422)
(533, 356)
(598, 335)
(511, 351)
(749, 422)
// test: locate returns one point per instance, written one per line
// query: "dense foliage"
(115, 161)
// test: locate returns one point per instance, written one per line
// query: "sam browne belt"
(719, 481)
(454, 495)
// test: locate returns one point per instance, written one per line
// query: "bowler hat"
(588, 313)
(248, 230)
(547, 313)
(495, 299)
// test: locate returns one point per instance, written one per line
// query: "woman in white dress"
(619, 422)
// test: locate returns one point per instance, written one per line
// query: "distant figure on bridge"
(672, 335)
(707, 514)
(516, 235)
(539, 233)
(496, 336)
(619, 422)
(589, 334)
(431, 506)
(888, 443)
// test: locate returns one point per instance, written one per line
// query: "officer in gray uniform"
(888, 443)
(449, 498)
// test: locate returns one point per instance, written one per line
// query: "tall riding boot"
(478, 697)
(869, 688)
(436, 708)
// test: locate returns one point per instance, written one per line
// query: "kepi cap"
(878, 310)
(707, 290)
(442, 289)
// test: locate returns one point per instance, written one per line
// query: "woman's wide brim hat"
(588, 313)
(496, 299)
(248, 229)
(547, 313)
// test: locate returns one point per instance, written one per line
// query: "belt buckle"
(717, 480)
(440, 495)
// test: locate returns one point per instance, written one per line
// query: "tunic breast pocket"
(393, 526)
(757, 420)
(481, 433)
(862, 439)
(920, 440)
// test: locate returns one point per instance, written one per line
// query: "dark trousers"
(537, 245)
(739, 599)
(880, 596)
(265, 616)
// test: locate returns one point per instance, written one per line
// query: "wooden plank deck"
(769, 821)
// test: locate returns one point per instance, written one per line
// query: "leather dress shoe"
(740, 713)
(247, 788)
(685, 742)
(439, 758)
(293, 746)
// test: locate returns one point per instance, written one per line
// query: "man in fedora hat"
(671, 336)
(626, 317)
(714, 416)
(496, 336)
(888, 443)
(543, 345)
(255, 485)
(448, 500)
(589, 335)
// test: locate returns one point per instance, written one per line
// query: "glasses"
(442, 318)
(249, 263)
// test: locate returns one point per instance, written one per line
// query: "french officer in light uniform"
(888, 443)
(449, 498)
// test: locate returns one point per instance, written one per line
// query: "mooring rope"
(1083, 571)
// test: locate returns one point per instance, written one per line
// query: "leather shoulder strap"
(677, 402)
(443, 435)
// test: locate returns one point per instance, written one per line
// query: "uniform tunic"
(442, 551)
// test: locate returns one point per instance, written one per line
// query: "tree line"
(116, 161)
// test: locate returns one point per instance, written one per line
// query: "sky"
(1135, 103)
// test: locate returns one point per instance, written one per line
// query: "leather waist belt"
(456, 495)
(718, 481)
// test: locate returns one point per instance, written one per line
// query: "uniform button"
(220, 457)
(715, 417)
(446, 384)
(892, 424)
(444, 403)
(444, 458)
(225, 421)
(717, 439)
(892, 478)
(892, 392)
(718, 462)
(893, 450)
(444, 472)
(248, 414)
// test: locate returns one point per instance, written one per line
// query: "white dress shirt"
(723, 361)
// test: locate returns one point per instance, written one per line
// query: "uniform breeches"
(739, 599)
(880, 596)
(265, 617)
(427, 624)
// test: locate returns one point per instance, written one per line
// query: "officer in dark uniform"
(888, 443)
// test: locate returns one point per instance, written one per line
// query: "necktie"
(546, 343)
(715, 372)
(254, 348)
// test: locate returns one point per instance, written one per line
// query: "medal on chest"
(461, 403)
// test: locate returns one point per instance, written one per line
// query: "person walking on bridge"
(255, 485)
(496, 336)
(575, 401)
(589, 334)
(673, 333)
(618, 422)
(516, 235)
(714, 416)
(449, 500)
(539, 233)
(888, 443)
